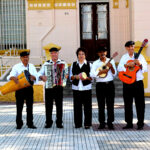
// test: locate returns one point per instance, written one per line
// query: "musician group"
(82, 73)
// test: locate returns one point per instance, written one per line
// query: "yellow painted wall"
(38, 95)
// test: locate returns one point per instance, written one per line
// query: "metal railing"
(7, 62)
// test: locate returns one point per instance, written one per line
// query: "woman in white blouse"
(81, 86)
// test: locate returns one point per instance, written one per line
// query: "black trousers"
(82, 98)
(21, 95)
(105, 92)
(52, 94)
(136, 91)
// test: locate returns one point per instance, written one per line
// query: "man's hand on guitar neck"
(111, 67)
(137, 62)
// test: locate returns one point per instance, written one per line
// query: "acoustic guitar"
(104, 66)
(129, 76)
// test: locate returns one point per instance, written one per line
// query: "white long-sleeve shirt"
(19, 68)
(80, 86)
(94, 72)
(126, 57)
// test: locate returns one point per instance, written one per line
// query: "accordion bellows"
(55, 76)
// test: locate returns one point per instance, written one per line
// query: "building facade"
(32, 24)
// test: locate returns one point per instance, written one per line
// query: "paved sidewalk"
(70, 138)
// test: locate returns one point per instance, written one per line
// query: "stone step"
(117, 82)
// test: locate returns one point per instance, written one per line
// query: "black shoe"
(48, 126)
(60, 126)
(110, 126)
(128, 126)
(87, 127)
(140, 127)
(78, 127)
(101, 126)
(19, 126)
(32, 126)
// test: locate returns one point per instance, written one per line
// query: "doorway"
(94, 28)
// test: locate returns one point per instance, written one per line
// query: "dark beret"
(53, 49)
(102, 49)
(129, 43)
(24, 53)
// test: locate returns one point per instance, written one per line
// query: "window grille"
(12, 24)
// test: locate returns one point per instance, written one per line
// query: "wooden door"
(94, 28)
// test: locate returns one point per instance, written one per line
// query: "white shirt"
(19, 68)
(42, 70)
(94, 72)
(126, 57)
(80, 86)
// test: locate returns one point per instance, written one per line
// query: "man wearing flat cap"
(105, 89)
(25, 93)
(53, 93)
(134, 90)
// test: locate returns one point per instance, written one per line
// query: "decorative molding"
(40, 4)
(12, 52)
(65, 4)
(51, 4)
(115, 3)
(127, 3)
(91, 1)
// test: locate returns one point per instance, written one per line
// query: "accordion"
(55, 75)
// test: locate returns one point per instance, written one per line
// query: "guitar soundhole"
(104, 67)
(131, 68)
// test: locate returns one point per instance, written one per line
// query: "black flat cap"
(129, 43)
(53, 49)
(24, 53)
(102, 49)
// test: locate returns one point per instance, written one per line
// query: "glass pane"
(86, 21)
(86, 35)
(102, 21)
(102, 8)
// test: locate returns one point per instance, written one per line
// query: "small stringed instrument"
(104, 66)
(129, 76)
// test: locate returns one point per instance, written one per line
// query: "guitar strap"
(28, 67)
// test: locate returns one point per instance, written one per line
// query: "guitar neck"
(109, 60)
(137, 55)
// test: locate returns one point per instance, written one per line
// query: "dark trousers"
(82, 98)
(21, 95)
(52, 94)
(136, 91)
(105, 92)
